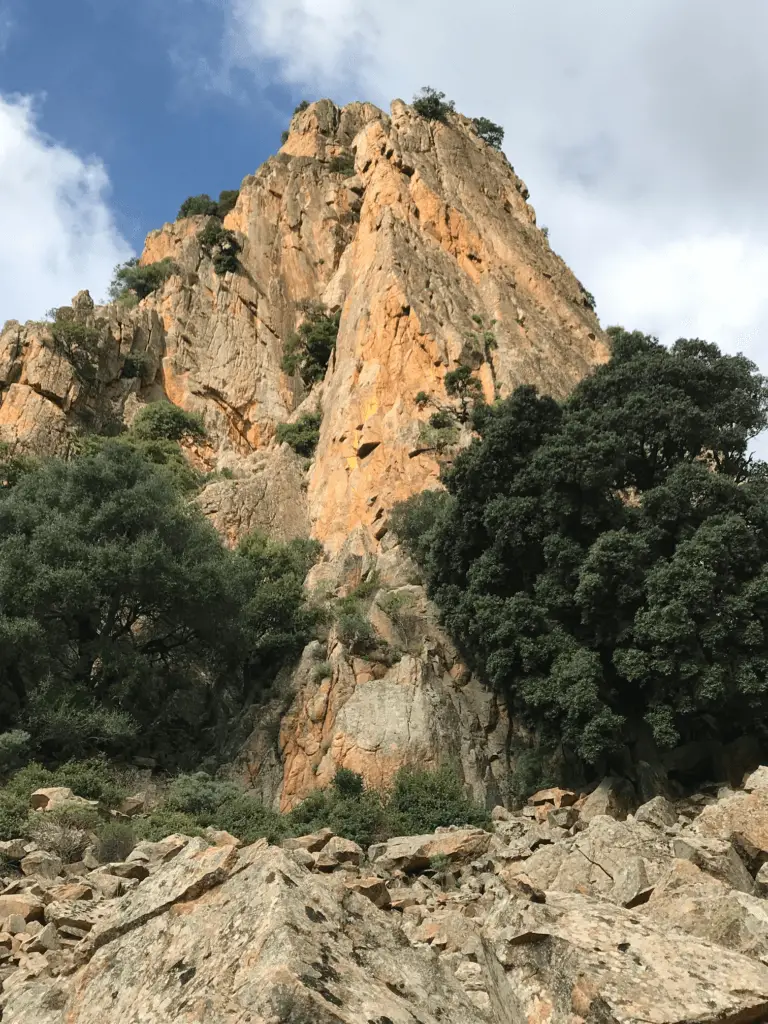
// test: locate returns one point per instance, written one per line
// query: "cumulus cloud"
(58, 232)
(638, 128)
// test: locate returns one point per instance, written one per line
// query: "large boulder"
(413, 853)
(613, 797)
(741, 819)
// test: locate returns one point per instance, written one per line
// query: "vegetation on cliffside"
(603, 562)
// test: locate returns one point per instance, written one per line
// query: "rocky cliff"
(415, 232)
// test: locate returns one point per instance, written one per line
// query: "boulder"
(657, 812)
(312, 843)
(27, 906)
(741, 819)
(46, 865)
(336, 852)
(613, 797)
(413, 853)
(715, 856)
(16, 849)
(578, 959)
(125, 869)
(157, 853)
(557, 797)
(133, 805)
(758, 780)
(373, 889)
(219, 837)
(58, 796)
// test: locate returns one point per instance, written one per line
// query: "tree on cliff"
(125, 625)
(604, 562)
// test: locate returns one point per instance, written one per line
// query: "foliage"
(221, 246)
(78, 341)
(322, 670)
(140, 279)
(462, 384)
(284, 135)
(13, 815)
(308, 351)
(603, 562)
(135, 365)
(66, 841)
(160, 823)
(343, 164)
(249, 819)
(302, 435)
(352, 626)
(14, 746)
(347, 783)
(400, 607)
(489, 132)
(124, 622)
(203, 205)
(163, 421)
(301, 107)
(199, 795)
(432, 104)
(426, 800)
(115, 841)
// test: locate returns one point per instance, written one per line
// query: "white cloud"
(638, 128)
(58, 232)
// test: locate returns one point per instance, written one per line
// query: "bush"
(78, 342)
(489, 132)
(14, 746)
(432, 104)
(600, 561)
(308, 351)
(301, 107)
(94, 779)
(426, 800)
(162, 421)
(322, 670)
(353, 628)
(13, 815)
(135, 365)
(140, 279)
(284, 137)
(199, 795)
(302, 435)
(115, 841)
(227, 201)
(249, 819)
(53, 836)
(221, 246)
(343, 164)
(162, 823)
(197, 206)
(347, 783)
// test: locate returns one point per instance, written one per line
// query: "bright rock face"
(431, 230)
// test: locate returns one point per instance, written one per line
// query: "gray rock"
(657, 812)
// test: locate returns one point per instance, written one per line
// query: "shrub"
(94, 779)
(308, 351)
(54, 836)
(14, 745)
(227, 200)
(284, 137)
(400, 607)
(353, 628)
(462, 384)
(249, 819)
(78, 342)
(302, 435)
(221, 246)
(135, 364)
(432, 104)
(162, 421)
(197, 206)
(163, 823)
(489, 132)
(427, 800)
(199, 795)
(140, 279)
(347, 783)
(301, 107)
(322, 670)
(343, 164)
(13, 815)
(115, 841)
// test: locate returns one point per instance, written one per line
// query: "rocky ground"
(573, 909)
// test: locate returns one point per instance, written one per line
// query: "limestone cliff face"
(431, 230)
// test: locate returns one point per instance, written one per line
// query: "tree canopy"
(604, 562)
(125, 625)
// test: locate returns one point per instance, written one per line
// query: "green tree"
(197, 206)
(124, 622)
(302, 435)
(140, 279)
(432, 104)
(604, 562)
(164, 421)
(221, 246)
(489, 132)
(308, 351)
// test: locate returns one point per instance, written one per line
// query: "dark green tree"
(308, 351)
(302, 435)
(197, 206)
(221, 246)
(140, 279)
(125, 625)
(432, 104)
(604, 562)
(489, 132)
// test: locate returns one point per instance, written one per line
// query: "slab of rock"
(160, 852)
(613, 797)
(578, 959)
(338, 851)
(125, 869)
(413, 853)
(269, 943)
(46, 865)
(58, 796)
(16, 849)
(715, 856)
(557, 797)
(312, 843)
(757, 780)
(658, 812)
(373, 889)
(27, 906)
(739, 818)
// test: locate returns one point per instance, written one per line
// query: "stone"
(558, 797)
(631, 886)
(219, 837)
(44, 941)
(106, 884)
(338, 851)
(266, 942)
(500, 813)
(715, 856)
(71, 892)
(160, 852)
(741, 819)
(413, 853)
(15, 924)
(45, 865)
(576, 958)
(312, 843)
(761, 880)
(15, 849)
(27, 906)
(563, 817)
(133, 805)
(758, 780)
(57, 796)
(613, 797)
(125, 869)
(657, 812)
(373, 889)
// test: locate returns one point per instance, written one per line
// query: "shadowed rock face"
(431, 230)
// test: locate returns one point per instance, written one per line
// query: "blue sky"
(640, 130)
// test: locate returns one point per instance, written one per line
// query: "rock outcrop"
(458, 927)
(421, 237)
